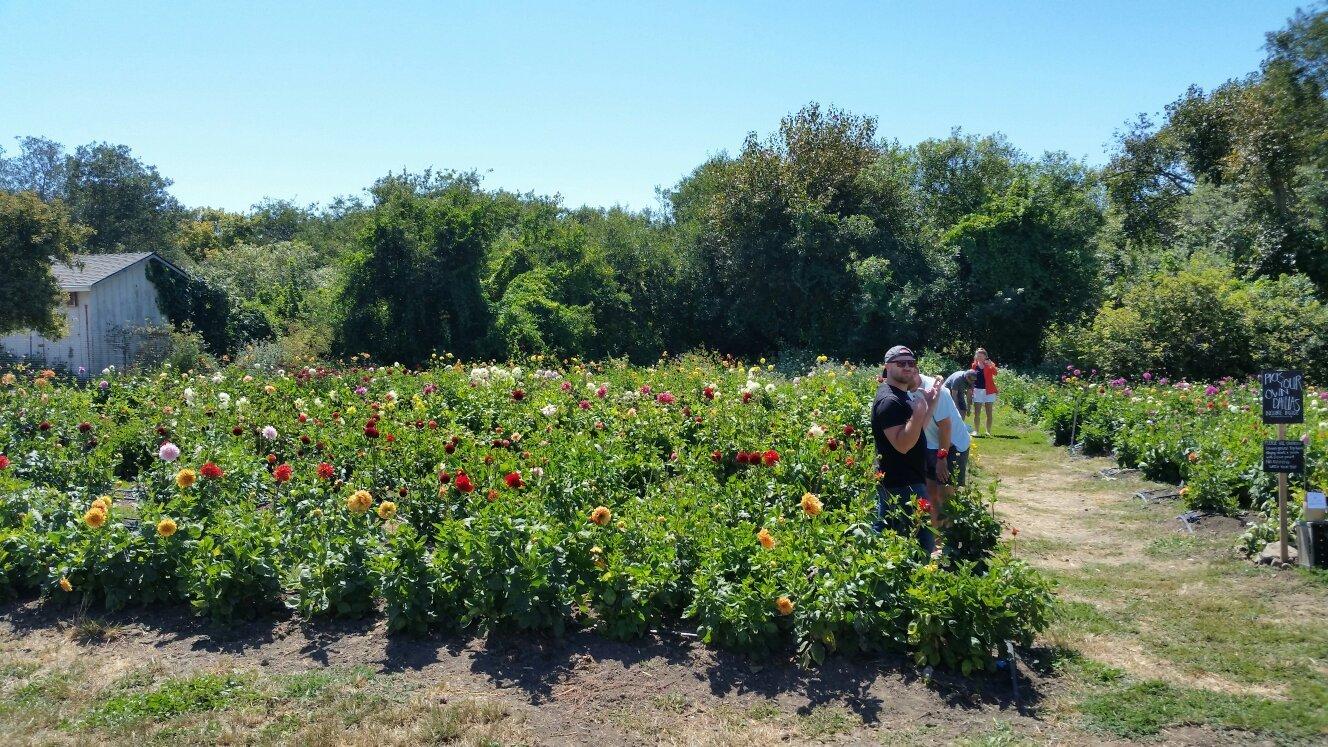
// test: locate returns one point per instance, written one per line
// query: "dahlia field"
(1207, 437)
(699, 494)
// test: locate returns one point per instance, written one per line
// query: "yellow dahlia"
(95, 517)
(359, 501)
(601, 515)
(386, 510)
(103, 502)
(64, 584)
(811, 504)
(166, 527)
(186, 477)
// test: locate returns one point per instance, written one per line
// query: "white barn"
(105, 296)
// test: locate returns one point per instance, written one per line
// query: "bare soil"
(578, 690)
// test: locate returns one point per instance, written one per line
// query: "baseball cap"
(898, 351)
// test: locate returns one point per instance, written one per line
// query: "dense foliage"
(31, 233)
(613, 497)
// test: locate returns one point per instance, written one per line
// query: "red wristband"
(942, 453)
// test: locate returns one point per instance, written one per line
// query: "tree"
(1026, 260)
(776, 230)
(124, 201)
(32, 235)
(412, 285)
(40, 167)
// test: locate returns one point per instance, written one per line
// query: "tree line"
(1198, 249)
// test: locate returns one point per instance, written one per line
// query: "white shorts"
(980, 396)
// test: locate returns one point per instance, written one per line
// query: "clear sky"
(599, 102)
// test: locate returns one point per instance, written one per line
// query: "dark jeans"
(895, 507)
(958, 463)
(959, 468)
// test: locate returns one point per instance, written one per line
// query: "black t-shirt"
(891, 408)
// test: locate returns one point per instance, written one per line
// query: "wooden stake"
(1282, 500)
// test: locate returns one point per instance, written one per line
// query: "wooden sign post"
(1283, 402)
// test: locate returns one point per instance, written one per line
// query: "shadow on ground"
(539, 668)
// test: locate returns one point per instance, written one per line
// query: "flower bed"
(1207, 437)
(612, 497)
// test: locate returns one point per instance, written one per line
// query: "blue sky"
(600, 102)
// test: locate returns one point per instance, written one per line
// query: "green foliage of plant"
(971, 530)
(232, 569)
(264, 494)
(328, 556)
(960, 617)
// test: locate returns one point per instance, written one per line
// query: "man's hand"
(942, 471)
(930, 395)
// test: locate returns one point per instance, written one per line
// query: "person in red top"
(984, 391)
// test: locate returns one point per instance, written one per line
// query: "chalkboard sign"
(1283, 396)
(1283, 456)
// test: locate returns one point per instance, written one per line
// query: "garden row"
(1206, 437)
(623, 499)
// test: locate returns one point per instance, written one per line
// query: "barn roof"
(90, 269)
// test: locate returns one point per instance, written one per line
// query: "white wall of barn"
(72, 351)
(127, 299)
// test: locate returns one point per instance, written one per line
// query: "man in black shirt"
(897, 421)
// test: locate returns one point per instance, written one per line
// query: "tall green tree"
(33, 233)
(1026, 260)
(124, 201)
(39, 166)
(412, 286)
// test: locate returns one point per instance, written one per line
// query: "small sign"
(1315, 499)
(1283, 396)
(1283, 456)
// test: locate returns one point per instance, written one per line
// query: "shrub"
(1203, 323)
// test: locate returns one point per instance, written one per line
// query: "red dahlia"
(282, 473)
(325, 471)
(211, 471)
(463, 483)
(513, 480)
(770, 457)
(4, 462)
